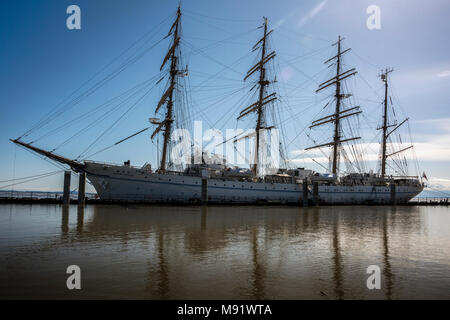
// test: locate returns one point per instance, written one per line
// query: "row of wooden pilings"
(81, 188)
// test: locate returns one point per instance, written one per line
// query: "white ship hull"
(127, 183)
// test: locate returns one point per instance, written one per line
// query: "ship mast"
(339, 114)
(262, 84)
(384, 78)
(384, 155)
(167, 98)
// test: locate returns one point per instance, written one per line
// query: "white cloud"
(444, 74)
(442, 122)
(434, 147)
(318, 8)
(311, 14)
(440, 184)
(418, 77)
(283, 20)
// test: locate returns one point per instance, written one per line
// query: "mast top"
(384, 73)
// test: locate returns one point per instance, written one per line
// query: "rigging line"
(99, 84)
(211, 25)
(306, 55)
(187, 95)
(129, 109)
(283, 146)
(217, 98)
(305, 151)
(223, 93)
(92, 77)
(365, 60)
(56, 164)
(399, 171)
(209, 75)
(223, 97)
(275, 113)
(100, 118)
(416, 160)
(311, 105)
(118, 70)
(305, 35)
(368, 84)
(293, 139)
(29, 177)
(206, 98)
(218, 87)
(222, 70)
(46, 176)
(215, 41)
(93, 111)
(215, 88)
(232, 113)
(201, 111)
(119, 142)
(287, 102)
(226, 39)
(217, 18)
(307, 81)
(210, 58)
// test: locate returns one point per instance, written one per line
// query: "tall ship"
(219, 182)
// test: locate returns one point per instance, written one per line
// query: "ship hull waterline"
(132, 184)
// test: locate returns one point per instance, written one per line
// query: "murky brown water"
(151, 252)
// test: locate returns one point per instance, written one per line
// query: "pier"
(90, 198)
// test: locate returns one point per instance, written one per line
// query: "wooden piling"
(316, 193)
(66, 191)
(393, 194)
(305, 192)
(204, 187)
(204, 191)
(81, 189)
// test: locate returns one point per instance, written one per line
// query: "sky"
(43, 63)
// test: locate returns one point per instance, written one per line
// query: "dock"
(40, 197)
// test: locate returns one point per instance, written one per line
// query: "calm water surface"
(163, 252)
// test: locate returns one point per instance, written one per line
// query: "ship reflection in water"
(165, 252)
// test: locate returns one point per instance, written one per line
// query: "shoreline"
(424, 202)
